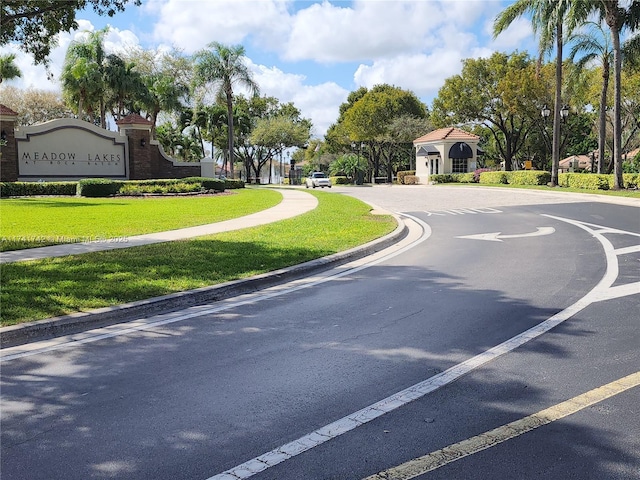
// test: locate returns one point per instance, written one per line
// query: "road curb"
(51, 327)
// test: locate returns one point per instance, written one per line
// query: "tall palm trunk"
(618, 182)
(230, 125)
(602, 134)
(555, 148)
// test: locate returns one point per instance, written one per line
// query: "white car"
(317, 179)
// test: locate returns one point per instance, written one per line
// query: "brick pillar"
(8, 145)
(138, 132)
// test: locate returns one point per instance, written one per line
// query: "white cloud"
(319, 103)
(191, 25)
(339, 45)
(37, 77)
(423, 74)
(329, 33)
(514, 36)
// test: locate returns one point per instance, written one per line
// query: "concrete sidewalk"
(293, 203)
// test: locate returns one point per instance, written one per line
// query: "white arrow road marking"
(498, 237)
(602, 291)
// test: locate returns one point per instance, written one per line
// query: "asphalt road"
(474, 357)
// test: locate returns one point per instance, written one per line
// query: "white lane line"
(415, 237)
(601, 291)
(434, 460)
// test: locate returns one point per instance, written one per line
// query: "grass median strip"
(45, 288)
(42, 221)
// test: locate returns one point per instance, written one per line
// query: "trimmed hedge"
(409, 180)
(215, 184)
(105, 187)
(158, 189)
(26, 189)
(444, 178)
(590, 181)
(340, 180)
(595, 181)
(631, 180)
(494, 178)
(517, 177)
(98, 187)
(233, 184)
(528, 177)
(403, 174)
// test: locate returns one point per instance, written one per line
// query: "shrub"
(410, 180)
(478, 172)
(98, 187)
(215, 184)
(528, 177)
(25, 189)
(590, 181)
(631, 180)
(233, 184)
(443, 178)
(340, 180)
(493, 178)
(142, 188)
(465, 177)
(406, 173)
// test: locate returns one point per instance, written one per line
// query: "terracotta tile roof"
(4, 110)
(584, 161)
(449, 133)
(134, 119)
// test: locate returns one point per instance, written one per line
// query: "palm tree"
(8, 69)
(617, 17)
(83, 75)
(547, 19)
(594, 44)
(161, 93)
(123, 82)
(224, 67)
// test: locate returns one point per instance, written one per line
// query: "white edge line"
(403, 397)
(79, 339)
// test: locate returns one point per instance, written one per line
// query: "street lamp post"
(545, 112)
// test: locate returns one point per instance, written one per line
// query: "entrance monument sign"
(70, 148)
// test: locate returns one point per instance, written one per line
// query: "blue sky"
(308, 52)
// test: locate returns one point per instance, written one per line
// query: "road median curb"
(67, 324)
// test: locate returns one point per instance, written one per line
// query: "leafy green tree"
(223, 68)
(337, 138)
(34, 24)
(35, 106)
(402, 131)
(264, 129)
(278, 133)
(370, 118)
(8, 68)
(547, 19)
(165, 78)
(502, 93)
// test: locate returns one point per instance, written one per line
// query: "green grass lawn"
(41, 221)
(57, 286)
